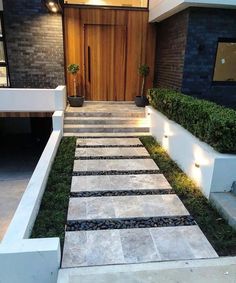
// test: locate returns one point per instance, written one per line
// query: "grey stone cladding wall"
(171, 44)
(34, 40)
(206, 27)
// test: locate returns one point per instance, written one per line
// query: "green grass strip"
(218, 232)
(52, 215)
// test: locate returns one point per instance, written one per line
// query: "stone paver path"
(122, 209)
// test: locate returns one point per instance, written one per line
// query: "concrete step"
(117, 207)
(106, 121)
(108, 135)
(104, 129)
(225, 203)
(131, 113)
(106, 247)
(213, 270)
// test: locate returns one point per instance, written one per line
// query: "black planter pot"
(141, 101)
(76, 101)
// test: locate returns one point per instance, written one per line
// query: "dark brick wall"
(206, 26)
(34, 41)
(171, 43)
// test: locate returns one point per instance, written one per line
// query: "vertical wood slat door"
(105, 62)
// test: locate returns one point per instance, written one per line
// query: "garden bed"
(52, 215)
(218, 232)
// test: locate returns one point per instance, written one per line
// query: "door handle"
(89, 64)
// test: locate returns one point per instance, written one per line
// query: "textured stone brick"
(205, 28)
(186, 50)
(34, 40)
(171, 42)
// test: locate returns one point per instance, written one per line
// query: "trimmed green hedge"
(211, 123)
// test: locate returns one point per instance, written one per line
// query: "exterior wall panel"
(34, 40)
(170, 52)
(206, 27)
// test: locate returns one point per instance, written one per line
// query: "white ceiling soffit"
(162, 9)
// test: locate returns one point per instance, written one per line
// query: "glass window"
(3, 77)
(116, 3)
(225, 65)
(2, 53)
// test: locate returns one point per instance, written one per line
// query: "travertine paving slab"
(125, 207)
(119, 165)
(104, 247)
(111, 151)
(119, 182)
(109, 141)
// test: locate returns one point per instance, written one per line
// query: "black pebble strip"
(110, 157)
(114, 172)
(112, 137)
(121, 193)
(102, 146)
(105, 224)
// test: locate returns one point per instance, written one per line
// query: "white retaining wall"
(31, 260)
(32, 100)
(211, 170)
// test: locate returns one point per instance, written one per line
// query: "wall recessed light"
(54, 6)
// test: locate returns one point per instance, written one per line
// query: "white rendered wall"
(31, 260)
(216, 172)
(162, 9)
(32, 100)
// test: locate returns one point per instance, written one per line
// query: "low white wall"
(31, 260)
(32, 100)
(58, 121)
(216, 171)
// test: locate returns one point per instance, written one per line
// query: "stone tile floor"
(120, 246)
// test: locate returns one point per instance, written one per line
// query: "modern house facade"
(188, 45)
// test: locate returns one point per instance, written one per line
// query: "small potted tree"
(141, 100)
(75, 100)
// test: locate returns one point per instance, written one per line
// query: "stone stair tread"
(105, 118)
(106, 247)
(99, 113)
(102, 135)
(111, 151)
(118, 183)
(81, 126)
(116, 165)
(108, 141)
(94, 208)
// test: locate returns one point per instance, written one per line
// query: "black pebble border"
(114, 172)
(110, 157)
(112, 137)
(105, 224)
(121, 193)
(101, 146)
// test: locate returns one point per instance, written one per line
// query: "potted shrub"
(141, 100)
(75, 100)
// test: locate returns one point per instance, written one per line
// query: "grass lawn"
(218, 232)
(52, 215)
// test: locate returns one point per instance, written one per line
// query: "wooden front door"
(105, 62)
